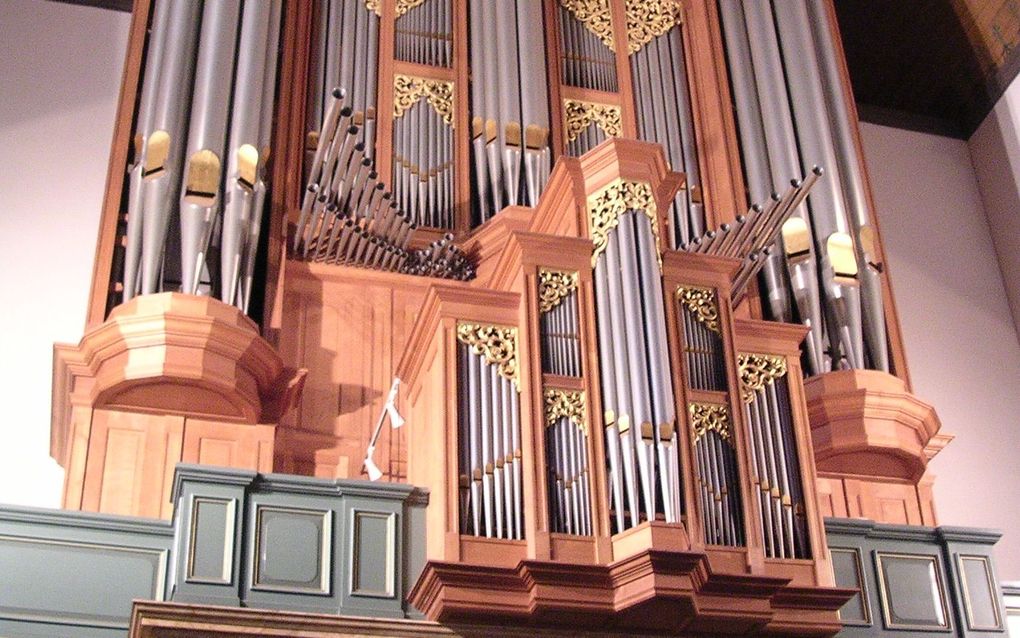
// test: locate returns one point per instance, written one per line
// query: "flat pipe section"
(636, 388)
(559, 338)
(165, 149)
(776, 472)
(719, 494)
(567, 467)
(489, 450)
(349, 217)
(665, 117)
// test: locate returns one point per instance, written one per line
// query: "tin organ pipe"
(815, 141)
(169, 122)
(568, 477)
(853, 189)
(636, 389)
(265, 137)
(143, 132)
(490, 439)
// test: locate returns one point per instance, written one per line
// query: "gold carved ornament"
(565, 404)
(408, 89)
(606, 205)
(706, 417)
(497, 344)
(596, 16)
(758, 371)
(402, 6)
(648, 19)
(579, 115)
(701, 303)
(553, 286)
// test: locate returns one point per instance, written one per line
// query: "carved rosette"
(758, 371)
(596, 16)
(648, 19)
(579, 115)
(707, 417)
(408, 89)
(565, 404)
(606, 205)
(498, 344)
(553, 286)
(701, 303)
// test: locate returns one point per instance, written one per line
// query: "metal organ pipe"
(165, 150)
(848, 161)
(210, 81)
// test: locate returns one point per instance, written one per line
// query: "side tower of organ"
(621, 255)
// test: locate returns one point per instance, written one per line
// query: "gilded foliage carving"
(579, 115)
(707, 417)
(758, 371)
(702, 304)
(596, 16)
(648, 19)
(553, 286)
(498, 344)
(564, 404)
(606, 205)
(408, 89)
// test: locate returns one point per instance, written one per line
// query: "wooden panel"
(228, 444)
(348, 331)
(131, 463)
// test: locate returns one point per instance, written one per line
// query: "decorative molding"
(553, 287)
(606, 205)
(565, 403)
(702, 304)
(596, 16)
(408, 89)
(758, 371)
(497, 344)
(579, 115)
(648, 19)
(707, 417)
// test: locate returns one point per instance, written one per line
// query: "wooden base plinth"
(650, 591)
(872, 443)
(866, 423)
(166, 378)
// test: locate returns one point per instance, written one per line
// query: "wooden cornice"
(651, 591)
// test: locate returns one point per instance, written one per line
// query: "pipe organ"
(532, 214)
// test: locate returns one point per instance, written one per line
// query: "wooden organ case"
(532, 214)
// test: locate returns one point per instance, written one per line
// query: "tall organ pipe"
(207, 133)
(815, 139)
(780, 140)
(143, 132)
(636, 388)
(848, 160)
(169, 121)
(243, 158)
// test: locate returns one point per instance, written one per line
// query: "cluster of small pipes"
(750, 237)
(348, 216)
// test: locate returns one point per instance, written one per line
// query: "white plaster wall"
(961, 342)
(60, 68)
(995, 153)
